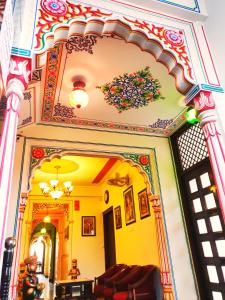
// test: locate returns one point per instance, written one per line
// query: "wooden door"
(109, 238)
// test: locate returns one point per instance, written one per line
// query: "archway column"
(16, 258)
(18, 78)
(165, 271)
(205, 104)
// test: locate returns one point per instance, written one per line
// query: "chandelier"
(56, 189)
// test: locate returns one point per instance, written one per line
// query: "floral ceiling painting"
(133, 90)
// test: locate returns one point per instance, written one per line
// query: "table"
(72, 289)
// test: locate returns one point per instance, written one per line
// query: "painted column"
(16, 259)
(205, 104)
(18, 78)
(163, 254)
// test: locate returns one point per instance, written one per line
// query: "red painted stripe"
(105, 169)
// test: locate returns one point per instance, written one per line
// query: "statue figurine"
(21, 276)
(31, 288)
(74, 271)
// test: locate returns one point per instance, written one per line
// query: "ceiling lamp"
(55, 189)
(47, 219)
(78, 97)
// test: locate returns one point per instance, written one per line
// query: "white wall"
(215, 31)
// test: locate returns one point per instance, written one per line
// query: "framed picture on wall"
(129, 206)
(118, 219)
(88, 226)
(143, 204)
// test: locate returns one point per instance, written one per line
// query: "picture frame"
(118, 218)
(143, 204)
(88, 226)
(129, 208)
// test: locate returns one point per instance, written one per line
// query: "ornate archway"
(60, 20)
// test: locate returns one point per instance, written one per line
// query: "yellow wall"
(88, 250)
(135, 243)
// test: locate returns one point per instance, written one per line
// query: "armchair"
(109, 283)
(121, 287)
(100, 280)
(147, 288)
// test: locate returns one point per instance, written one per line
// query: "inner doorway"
(109, 238)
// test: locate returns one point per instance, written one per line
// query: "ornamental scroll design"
(54, 12)
(37, 207)
(81, 43)
(38, 153)
(53, 62)
(58, 11)
(143, 161)
(173, 40)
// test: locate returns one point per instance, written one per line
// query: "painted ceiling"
(81, 170)
(98, 61)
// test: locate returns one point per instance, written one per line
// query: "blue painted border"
(202, 87)
(195, 9)
(21, 52)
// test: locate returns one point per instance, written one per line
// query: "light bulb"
(78, 98)
(43, 185)
(54, 182)
(47, 219)
(67, 184)
(43, 230)
(56, 194)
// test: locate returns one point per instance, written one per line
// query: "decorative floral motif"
(145, 167)
(36, 75)
(81, 43)
(144, 160)
(38, 153)
(27, 95)
(26, 121)
(51, 82)
(161, 123)
(132, 90)
(63, 111)
(54, 7)
(174, 37)
(48, 18)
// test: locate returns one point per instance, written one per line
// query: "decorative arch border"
(143, 163)
(59, 20)
(140, 161)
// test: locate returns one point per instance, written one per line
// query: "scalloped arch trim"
(166, 45)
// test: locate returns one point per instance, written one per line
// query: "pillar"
(166, 278)
(16, 260)
(205, 105)
(18, 78)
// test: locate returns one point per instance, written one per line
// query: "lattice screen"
(192, 147)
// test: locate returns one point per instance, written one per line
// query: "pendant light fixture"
(78, 98)
(55, 189)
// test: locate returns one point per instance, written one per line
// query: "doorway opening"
(109, 238)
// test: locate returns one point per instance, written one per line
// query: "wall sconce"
(78, 97)
(119, 181)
